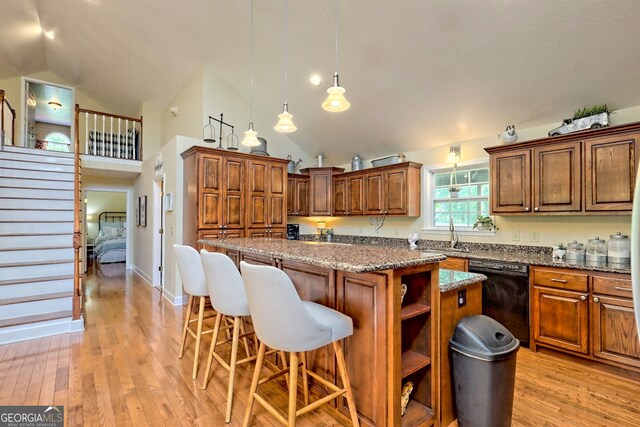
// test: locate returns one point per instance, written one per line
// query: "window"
(57, 141)
(472, 199)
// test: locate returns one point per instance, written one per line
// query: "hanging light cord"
(336, 36)
(286, 50)
(251, 73)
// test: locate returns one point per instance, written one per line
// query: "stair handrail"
(4, 101)
(77, 233)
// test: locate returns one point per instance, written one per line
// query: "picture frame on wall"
(143, 211)
(137, 207)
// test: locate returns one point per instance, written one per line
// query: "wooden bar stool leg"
(196, 355)
(283, 356)
(244, 339)
(293, 387)
(305, 378)
(212, 347)
(254, 384)
(186, 327)
(342, 368)
(232, 365)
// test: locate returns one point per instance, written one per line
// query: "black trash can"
(484, 372)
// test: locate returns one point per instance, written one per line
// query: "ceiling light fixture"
(336, 102)
(51, 35)
(285, 124)
(315, 79)
(251, 136)
(454, 154)
(55, 104)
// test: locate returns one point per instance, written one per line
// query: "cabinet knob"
(583, 298)
(536, 209)
(526, 209)
(385, 212)
(596, 299)
(221, 226)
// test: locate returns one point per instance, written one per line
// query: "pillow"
(105, 224)
(115, 232)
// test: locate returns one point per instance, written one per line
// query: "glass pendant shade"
(285, 124)
(336, 102)
(251, 137)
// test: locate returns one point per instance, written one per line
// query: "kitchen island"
(394, 340)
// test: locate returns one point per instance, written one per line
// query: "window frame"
(428, 198)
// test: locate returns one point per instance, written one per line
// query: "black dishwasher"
(505, 295)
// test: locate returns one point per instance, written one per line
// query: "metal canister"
(575, 251)
(356, 163)
(619, 250)
(597, 250)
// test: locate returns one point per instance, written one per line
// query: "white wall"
(551, 229)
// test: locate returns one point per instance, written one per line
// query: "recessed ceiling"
(417, 73)
(46, 93)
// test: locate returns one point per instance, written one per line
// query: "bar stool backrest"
(191, 272)
(225, 284)
(279, 317)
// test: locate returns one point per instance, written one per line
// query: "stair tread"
(36, 151)
(35, 318)
(36, 234)
(35, 280)
(35, 221)
(37, 248)
(32, 298)
(35, 263)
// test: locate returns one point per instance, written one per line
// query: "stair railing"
(6, 114)
(77, 233)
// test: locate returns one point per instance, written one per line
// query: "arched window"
(57, 141)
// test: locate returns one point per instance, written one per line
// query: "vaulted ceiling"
(417, 73)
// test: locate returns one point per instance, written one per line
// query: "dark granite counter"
(337, 256)
(451, 280)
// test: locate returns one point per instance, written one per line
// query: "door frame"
(159, 240)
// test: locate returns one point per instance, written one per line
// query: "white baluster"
(119, 137)
(95, 135)
(126, 139)
(86, 133)
(104, 139)
(111, 133)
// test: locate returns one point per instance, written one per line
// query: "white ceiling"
(44, 113)
(417, 73)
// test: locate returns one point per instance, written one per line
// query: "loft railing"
(109, 135)
(7, 121)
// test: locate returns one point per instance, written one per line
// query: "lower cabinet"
(273, 233)
(596, 322)
(458, 264)
(217, 234)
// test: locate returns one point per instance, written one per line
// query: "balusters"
(86, 133)
(111, 138)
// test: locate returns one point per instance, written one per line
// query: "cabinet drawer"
(458, 264)
(619, 286)
(560, 279)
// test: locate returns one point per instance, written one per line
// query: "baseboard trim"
(174, 300)
(40, 330)
(142, 275)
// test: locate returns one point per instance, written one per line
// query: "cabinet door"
(258, 233)
(232, 233)
(561, 319)
(557, 186)
(291, 196)
(321, 186)
(258, 193)
(233, 193)
(302, 197)
(208, 235)
(210, 186)
(278, 233)
(395, 183)
(277, 212)
(458, 264)
(355, 195)
(210, 210)
(340, 197)
(610, 165)
(614, 332)
(373, 193)
(511, 182)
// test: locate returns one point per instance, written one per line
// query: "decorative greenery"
(561, 246)
(596, 109)
(454, 188)
(485, 223)
(328, 232)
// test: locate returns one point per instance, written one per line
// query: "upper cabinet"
(582, 173)
(321, 190)
(298, 195)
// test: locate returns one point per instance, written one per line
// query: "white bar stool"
(193, 281)
(229, 299)
(283, 321)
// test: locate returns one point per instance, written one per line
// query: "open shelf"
(412, 362)
(413, 310)
(417, 415)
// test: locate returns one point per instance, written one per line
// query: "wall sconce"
(454, 154)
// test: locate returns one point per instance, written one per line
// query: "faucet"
(453, 239)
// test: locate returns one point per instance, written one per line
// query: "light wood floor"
(124, 370)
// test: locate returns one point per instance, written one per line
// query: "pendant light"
(336, 102)
(285, 124)
(251, 136)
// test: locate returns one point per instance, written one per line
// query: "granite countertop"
(451, 280)
(337, 256)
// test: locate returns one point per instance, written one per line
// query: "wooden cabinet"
(348, 195)
(561, 318)
(298, 195)
(321, 190)
(393, 190)
(581, 173)
(225, 194)
(458, 264)
(611, 164)
(589, 314)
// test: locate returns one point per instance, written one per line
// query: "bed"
(111, 244)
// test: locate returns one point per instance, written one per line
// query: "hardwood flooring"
(124, 370)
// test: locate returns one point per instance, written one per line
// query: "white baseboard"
(32, 331)
(175, 300)
(143, 275)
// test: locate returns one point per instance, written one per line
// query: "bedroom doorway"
(159, 209)
(107, 229)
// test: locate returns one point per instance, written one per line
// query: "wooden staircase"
(36, 244)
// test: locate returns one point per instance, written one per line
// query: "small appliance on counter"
(597, 251)
(619, 250)
(575, 251)
(293, 231)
